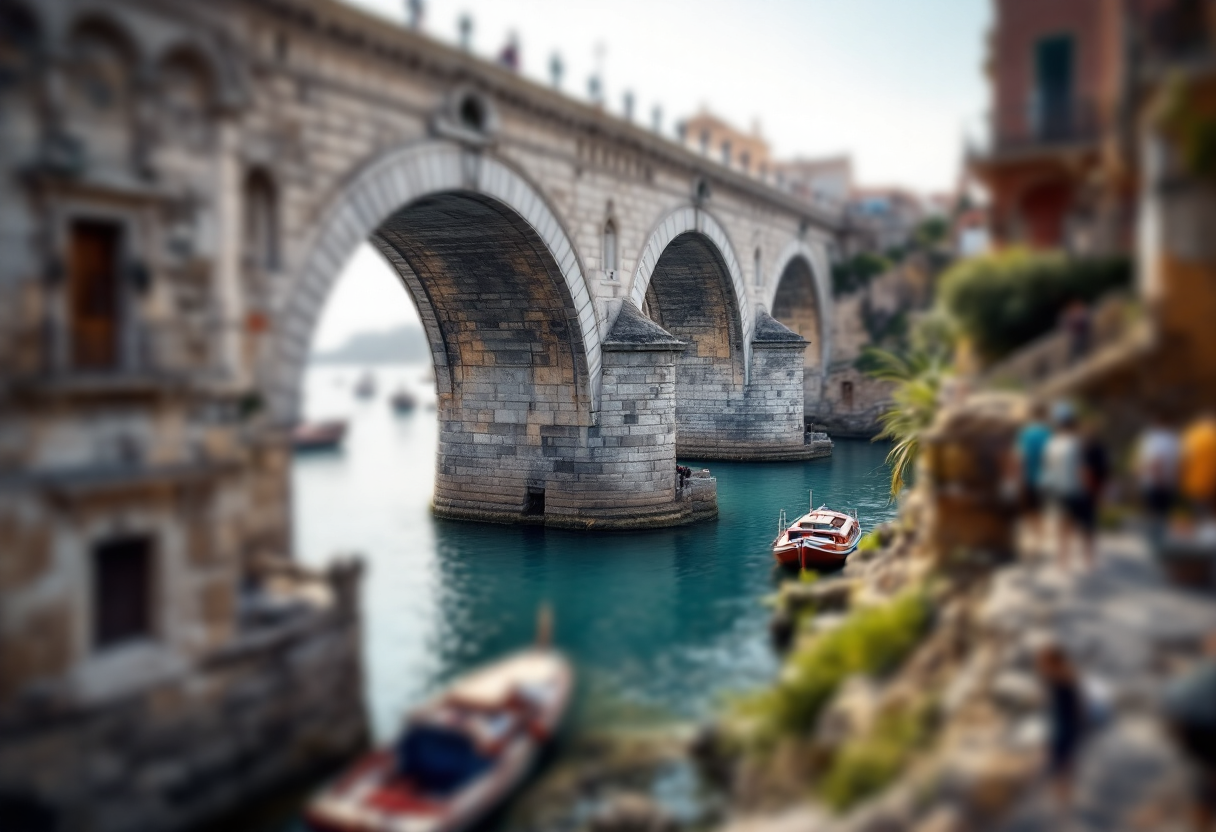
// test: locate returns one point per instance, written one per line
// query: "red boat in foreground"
(821, 538)
(459, 757)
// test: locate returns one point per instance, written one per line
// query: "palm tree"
(918, 379)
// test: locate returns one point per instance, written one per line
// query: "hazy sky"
(894, 83)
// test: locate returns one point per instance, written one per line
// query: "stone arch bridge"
(597, 298)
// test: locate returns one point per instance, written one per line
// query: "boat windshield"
(824, 524)
(438, 760)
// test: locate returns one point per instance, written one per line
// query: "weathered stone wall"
(851, 401)
(796, 305)
(282, 701)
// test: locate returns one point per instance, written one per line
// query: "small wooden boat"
(403, 401)
(319, 436)
(365, 387)
(460, 756)
(821, 538)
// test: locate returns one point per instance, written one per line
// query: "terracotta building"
(713, 137)
(1058, 162)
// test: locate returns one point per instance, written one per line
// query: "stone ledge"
(676, 513)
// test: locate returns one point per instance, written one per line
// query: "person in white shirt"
(1063, 479)
(1157, 464)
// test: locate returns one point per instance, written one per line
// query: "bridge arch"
(689, 220)
(689, 282)
(800, 297)
(395, 181)
(511, 327)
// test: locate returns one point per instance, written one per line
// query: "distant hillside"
(400, 345)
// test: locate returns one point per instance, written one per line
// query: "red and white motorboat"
(821, 538)
(459, 757)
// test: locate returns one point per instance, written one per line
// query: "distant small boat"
(460, 756)
(365, 387)
(319, 436)
(403, 401)
(821, 538)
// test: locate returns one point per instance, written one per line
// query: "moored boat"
(403, 401)
(319, 436)
(821, 538)
(365, 387)
(460, 755)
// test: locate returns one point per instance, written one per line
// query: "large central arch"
(512, 333)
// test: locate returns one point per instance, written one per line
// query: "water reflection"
(660, 623)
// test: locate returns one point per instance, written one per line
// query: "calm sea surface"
(661, 624)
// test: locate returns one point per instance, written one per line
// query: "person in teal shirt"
(1031, 441)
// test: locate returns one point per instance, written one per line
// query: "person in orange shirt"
(1198, 465)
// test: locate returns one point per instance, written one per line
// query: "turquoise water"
(660, 624)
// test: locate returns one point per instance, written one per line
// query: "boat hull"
(810, 557)
(371, 798)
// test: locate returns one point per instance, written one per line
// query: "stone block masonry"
(765, 422)
(616, 473)
(281, 702)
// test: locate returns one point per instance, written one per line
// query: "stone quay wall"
(281, 703)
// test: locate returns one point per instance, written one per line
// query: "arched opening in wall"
(100, 81)
(187, 94)
(610, 249)
(261, 243)
(796, 305)
(504, 363)
(20, 45)
(690, 294)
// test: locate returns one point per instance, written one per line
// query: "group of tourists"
(1062, 468)
(1062, 464)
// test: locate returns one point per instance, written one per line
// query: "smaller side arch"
(695, 220)
(816, 260)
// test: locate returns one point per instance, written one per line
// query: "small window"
(726, 152)
(846, 394)
(261, 221)
(473, 114)
(745, 161)
(610, 260)
(534, 502)
(122, 591)
(705, 141)
(759, 272)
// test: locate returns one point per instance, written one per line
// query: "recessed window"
(759, 272)
(473, 114)
(534, 502)
(846, 394)
(122, 591)
(745, 161)
(610, 259)
(705, 141)
(726, 152)
(94, 294)
(261, 221)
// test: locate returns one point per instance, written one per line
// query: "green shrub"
(865, 766)
(869, 542)
(872, 640)
(857, 272)
(1005, 300)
